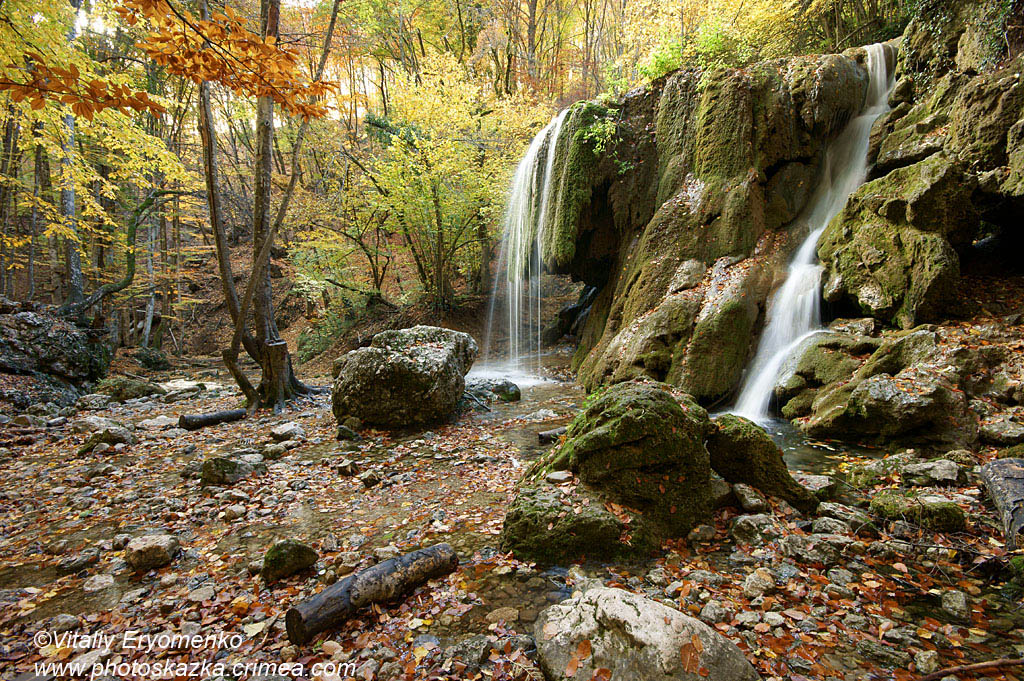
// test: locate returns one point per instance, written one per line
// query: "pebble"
(758, 583)
(98, 583)
(506, 614)
(202, 594)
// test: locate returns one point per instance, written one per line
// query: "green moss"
(1014, 452)
(742, 452)
(287, 557)
(121, 388)
(940, 516)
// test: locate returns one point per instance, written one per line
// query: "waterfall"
(520, 253)
(794, 312)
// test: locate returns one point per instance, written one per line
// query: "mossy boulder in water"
(406, 377)
(741, 452)
(635, 448)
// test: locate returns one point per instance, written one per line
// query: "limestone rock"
(151, 551)
(636, 638)
(405, 377)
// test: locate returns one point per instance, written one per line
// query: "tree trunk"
(72, 258)
(378, 584)
(1004, 479)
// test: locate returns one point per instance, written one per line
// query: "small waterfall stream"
(794, 310)
(520, 254)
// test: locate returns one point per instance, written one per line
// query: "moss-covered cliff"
(678, 211)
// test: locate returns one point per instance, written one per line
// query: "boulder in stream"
(405, 377)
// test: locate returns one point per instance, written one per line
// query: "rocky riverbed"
(125, 536)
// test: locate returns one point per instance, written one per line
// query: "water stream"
(794, 312)
(520, 256)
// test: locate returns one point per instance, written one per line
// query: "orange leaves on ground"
(583, 651)
(86, 98)
(223, 50)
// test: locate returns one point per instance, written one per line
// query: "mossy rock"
(1014, 452)
(285, 558)
(122, 388)
(553, 525)
(940, 516)
(741, 452)
(635, 446)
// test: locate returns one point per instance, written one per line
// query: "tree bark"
(72, 258)
(1004, 479)
(378, 584)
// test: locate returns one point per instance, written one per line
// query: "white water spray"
(794, 312)
(520, 254)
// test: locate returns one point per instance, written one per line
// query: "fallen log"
(972, 669)
(197, 421)
(1004, 479)
(383, 582)
(552, 435)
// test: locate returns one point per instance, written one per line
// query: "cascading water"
(794, 311)
(520, 254)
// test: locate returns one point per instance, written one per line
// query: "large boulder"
(50, 358)
(123, 388)
(635, 639)
(741, 452)
(405, 377)
(635, 447)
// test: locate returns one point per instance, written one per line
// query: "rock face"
(741, 452)
(677, 221)
(405, 377)
(636, 639)
(636, 447)
(52, 357)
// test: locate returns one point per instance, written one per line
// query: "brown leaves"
(583, 651)
(690, 655)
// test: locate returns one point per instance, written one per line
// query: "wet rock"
(408, 376)
(472, 650)
(493, 389)
(64, 622)
(635, 638)
(287, 431)
(931, 473)
(822, 486)
(287, 557)
(741, 452)
(558, 477)
(151, 551)
(701, 534)
(887, 655)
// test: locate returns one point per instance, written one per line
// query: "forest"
(488, 339)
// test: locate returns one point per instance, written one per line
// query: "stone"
(506, 614)
(124, 388)
(927, 661)
(274, 451)
(151, 551)
(822, 486)
(109, 436)
(956, 605)
(158, 423)
(934, 514)
(701, 534)
(92, 423)
(714, 612)
(405, 377)
(633, 637)
(98, 583)
(636, 446)
(1002, 432)
(755, 529)
(493, 389)
(64, 622)
(347, 467)
(931, 473)
(814, 548)
(287, 557)
(758, 583)
(202, 594)
(741, 452)
(234, 512)
(92, 401)
(826, 525)
(558, 477)
(859, 522)
(370, 478)
(220, 470)
(386, 553)
(287, 431)
(750, 499)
